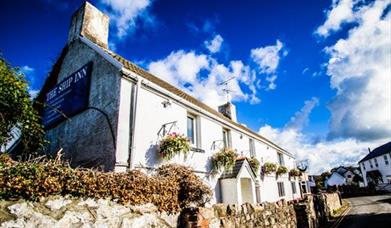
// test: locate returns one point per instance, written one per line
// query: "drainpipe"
(132, 148)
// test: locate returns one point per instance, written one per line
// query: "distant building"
(375, 166)
(344, 176)
(118, 112)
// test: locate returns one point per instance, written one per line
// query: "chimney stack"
(90, 23)
(229, 110)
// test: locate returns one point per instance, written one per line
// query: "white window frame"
(227, 137)
(294, 188)
(376, 164)
(385, 159)
(280, 158)
(196, 130)
(251, 145)
(281, 189)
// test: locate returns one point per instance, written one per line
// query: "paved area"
(368, 211)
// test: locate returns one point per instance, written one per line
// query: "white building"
(375, 166)
(117, 112)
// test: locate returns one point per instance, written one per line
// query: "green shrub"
(254, 163)
(172, 187)
(16, 111)
(173, 144)
(269, 167)
(224, 159)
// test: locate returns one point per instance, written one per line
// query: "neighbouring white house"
(103, 109)
(375, 166)
(344, 176)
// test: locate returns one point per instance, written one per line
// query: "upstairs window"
(192, 133)
(281, 189)
(363, 166)
(370, 164)
(293, 187)
(376, 164)
(226, 138)
(251, 147)
(385, 159)
(280, 159)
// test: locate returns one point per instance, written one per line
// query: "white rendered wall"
(151, 115)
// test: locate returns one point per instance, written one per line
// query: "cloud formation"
(214, 45)
(267, 59)
(203, 75)
(360, 73)
(124, 13)
(341, 12)
(321, 154)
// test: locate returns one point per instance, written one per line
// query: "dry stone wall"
(72, 212)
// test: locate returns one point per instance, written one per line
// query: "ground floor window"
(293, 187)
(281, 190)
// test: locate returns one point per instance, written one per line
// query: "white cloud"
(268, 57)
(341, 12)
(300, 119)
(322, 155)
(202, 76)
(214, 45)
(27, 70)
(125, 12)
(360, 72)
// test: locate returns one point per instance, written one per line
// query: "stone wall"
(311, 212)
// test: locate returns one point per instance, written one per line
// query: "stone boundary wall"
(59, 211)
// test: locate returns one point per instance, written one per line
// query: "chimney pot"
(229, 110)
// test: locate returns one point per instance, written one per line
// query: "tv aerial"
(225, 89)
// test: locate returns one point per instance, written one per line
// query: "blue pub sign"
(68, 98)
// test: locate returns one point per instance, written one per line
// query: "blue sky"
(297, 67)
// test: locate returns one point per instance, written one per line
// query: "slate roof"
(233, 173)
(167, 86)
(383, 149)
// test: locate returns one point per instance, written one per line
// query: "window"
(252, 147)
(376, 164)
(281, 190)
(370, 164)
(293, 187)
(226, 138)
(363, 165)
(385, 159)
(192, 130)
(280, 158)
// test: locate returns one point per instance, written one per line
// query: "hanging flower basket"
(268, 168)
(294, 173)
(173, 144)
(281, 170)
(254, 163)
(224, 159)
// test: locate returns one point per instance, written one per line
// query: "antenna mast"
(225, 89)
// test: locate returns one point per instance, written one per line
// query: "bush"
(172, 187)
(192, 190)
(224, 159)
(269, 168)
(173, 144)
(254, 163)
(281, 170)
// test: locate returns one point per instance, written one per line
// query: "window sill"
(197, 150)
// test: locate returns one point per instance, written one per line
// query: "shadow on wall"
(152, 156)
